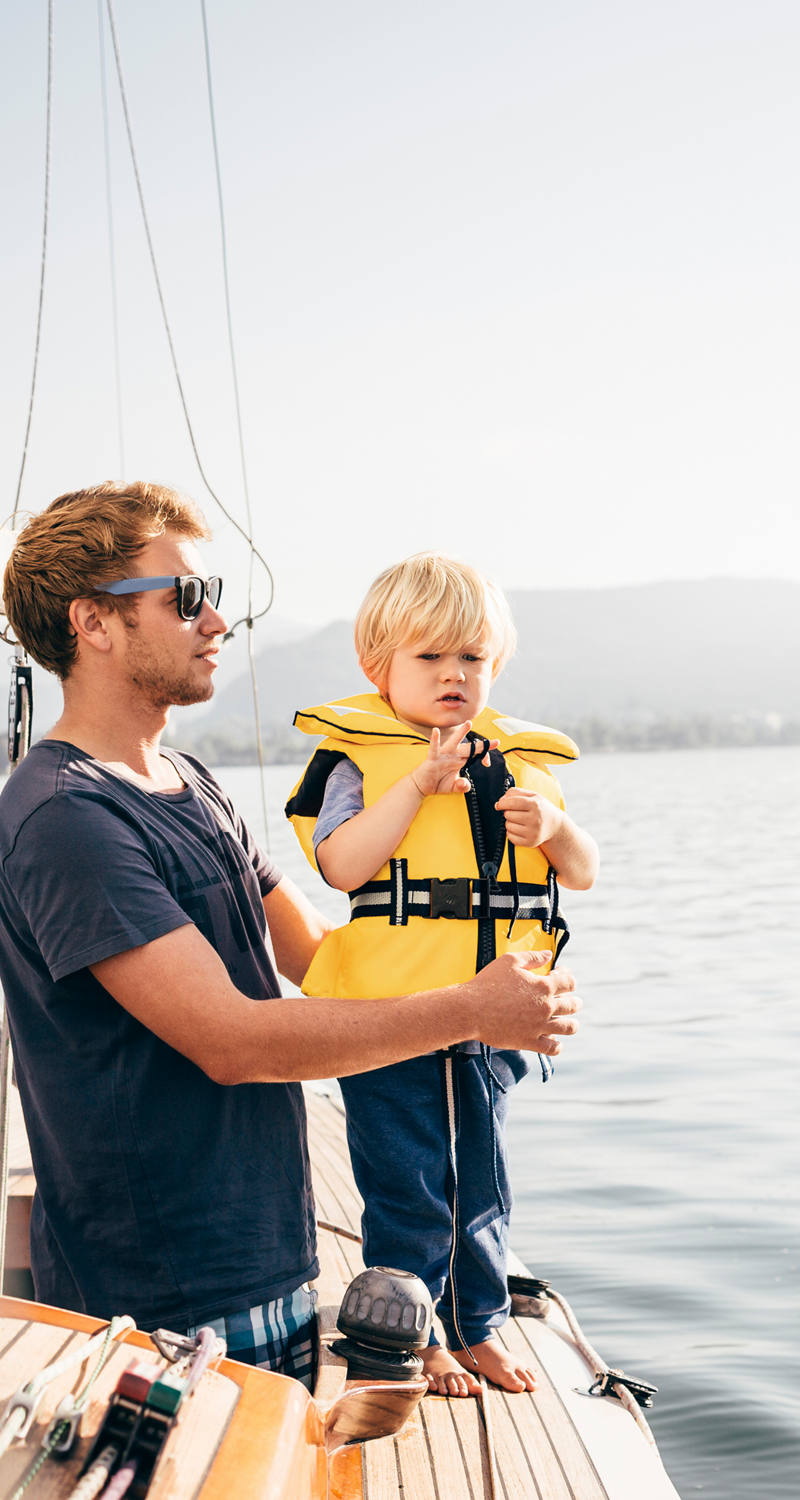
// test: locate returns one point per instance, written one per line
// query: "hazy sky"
(517, 281)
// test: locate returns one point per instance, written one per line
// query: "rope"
(94, 1479)
(48, 138)
(346, 1234)
(69, 1412)
(599, 1365)
(122, 1481)
(248, 619)
(111, 255)
(5, 1103)
(164, 317)
(251, 616)
(451, 1265)
(21, 1407)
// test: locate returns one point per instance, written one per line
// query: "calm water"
(656, 1176)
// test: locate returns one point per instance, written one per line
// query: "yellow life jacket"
(430, 916)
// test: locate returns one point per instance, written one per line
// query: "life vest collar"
(368, 719)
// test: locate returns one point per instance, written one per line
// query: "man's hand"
(530, 818)
(440, 770)
(522, 1009)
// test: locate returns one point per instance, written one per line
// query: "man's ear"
(89, 620)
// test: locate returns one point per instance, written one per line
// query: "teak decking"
(442, 1453)
(552, 1445)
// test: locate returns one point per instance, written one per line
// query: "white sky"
(517, 281)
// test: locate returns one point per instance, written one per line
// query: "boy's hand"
(530, 818)
(448, 752)
(446, 755)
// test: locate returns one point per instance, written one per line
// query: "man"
(161, 1096)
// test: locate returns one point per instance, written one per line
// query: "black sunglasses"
(191, 592)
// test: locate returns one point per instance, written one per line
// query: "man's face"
(166, 659)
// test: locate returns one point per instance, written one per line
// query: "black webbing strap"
(460, 898)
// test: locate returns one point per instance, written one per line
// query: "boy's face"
(439, 689)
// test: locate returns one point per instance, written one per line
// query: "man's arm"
(296, 928)
(178, 987)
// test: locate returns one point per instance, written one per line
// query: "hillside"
(668, 663)
(661, 654)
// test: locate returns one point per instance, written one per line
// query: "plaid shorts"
(279, 1335)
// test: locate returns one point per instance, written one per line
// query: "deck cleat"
(605, 1382)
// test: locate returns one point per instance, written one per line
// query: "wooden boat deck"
(550, 1445)
(533, 1451)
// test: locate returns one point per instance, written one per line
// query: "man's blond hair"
(433, 599)
(82, 539)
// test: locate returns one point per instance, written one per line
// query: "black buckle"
(451, 898)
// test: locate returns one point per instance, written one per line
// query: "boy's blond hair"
(84, 538)
(435, 599)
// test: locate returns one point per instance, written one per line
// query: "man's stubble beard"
(157, 686)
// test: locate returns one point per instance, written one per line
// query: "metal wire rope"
(48, 138)
(165, 319)
(239, 427)
(110, 227)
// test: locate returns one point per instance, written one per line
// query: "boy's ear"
(378, 686)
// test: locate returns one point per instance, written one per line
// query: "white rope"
(95, 1478)
(21, 1407)
(599, 1365)
(451, 1265)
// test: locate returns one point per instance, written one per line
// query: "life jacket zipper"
(489, 869)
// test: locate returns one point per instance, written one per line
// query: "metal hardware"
(606, 1380)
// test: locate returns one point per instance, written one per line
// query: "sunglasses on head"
(191, 592)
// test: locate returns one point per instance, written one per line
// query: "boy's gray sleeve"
(344, 798)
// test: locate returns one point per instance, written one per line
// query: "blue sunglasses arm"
(138, 585)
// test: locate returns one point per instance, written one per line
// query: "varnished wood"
(243, 1432)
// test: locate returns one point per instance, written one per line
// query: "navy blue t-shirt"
(159, 1192)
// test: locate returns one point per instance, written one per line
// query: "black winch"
(385, 1316)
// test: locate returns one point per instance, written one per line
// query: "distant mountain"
(710, 655)
(722, 646)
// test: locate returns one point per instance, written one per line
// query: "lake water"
(656, 1177)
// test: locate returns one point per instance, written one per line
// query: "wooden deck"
(534, 1452)
(554, 1444)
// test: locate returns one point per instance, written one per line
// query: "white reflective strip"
(371, 898)
(529, 906)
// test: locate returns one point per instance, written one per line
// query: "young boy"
(440, 818)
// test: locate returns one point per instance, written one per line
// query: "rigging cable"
(6, 1061)
(250, 617)
(111, 256)
(165, 319)
(48, 138)
(239, 427)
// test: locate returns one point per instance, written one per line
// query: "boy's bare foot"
(498, 1365)
(444, 1376)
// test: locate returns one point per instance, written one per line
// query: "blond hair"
(435, 599)
(82, 539)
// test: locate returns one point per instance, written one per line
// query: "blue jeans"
(398, 1133)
